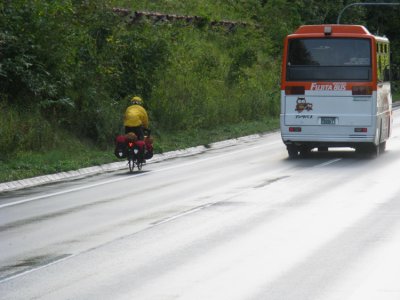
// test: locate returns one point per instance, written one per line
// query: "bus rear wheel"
(293, 151)
(371, 149)
(382, 147)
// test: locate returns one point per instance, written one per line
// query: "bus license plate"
(328, 121)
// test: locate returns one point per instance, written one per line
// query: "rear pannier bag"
(120, 147)
(149, 148)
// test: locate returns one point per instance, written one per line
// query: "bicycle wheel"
(131, 164)
(139, 165)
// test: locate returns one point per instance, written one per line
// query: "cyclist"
(136, 119)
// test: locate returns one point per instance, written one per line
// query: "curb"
(89, 171)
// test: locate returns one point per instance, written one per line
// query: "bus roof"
(334, 29)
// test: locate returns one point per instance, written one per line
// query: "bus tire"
(293, 151)
(382, 147)
(374, 150)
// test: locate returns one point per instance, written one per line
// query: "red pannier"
(141, 146)
(120, 146)
(148, 141)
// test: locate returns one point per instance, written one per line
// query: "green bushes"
(216, 77)
(70, 66)
(25, 129)
(72, 62)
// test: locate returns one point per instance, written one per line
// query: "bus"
(335, 90)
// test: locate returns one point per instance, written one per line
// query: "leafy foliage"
(70, 65)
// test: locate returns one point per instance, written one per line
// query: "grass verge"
(79, 155)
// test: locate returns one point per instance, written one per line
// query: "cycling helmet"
(137, 100)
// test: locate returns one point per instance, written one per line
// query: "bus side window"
(383, 67)
(379, 68)
(386, 63)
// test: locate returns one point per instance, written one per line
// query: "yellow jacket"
(136, 115)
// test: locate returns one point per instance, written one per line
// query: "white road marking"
(328, 163)
(152, 225)
(141, 174)
(37, 268)
(129, 177)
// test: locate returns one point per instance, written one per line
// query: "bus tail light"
(363, 130)
(294, 90)
(294, 129)
(362, 90)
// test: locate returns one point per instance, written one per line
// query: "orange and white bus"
(335, 90)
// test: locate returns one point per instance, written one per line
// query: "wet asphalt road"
(237, 222)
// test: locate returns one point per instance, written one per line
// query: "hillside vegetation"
(68, 67)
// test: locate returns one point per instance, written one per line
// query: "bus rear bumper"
(314, 141)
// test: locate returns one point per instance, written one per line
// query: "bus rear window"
(333, 59)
